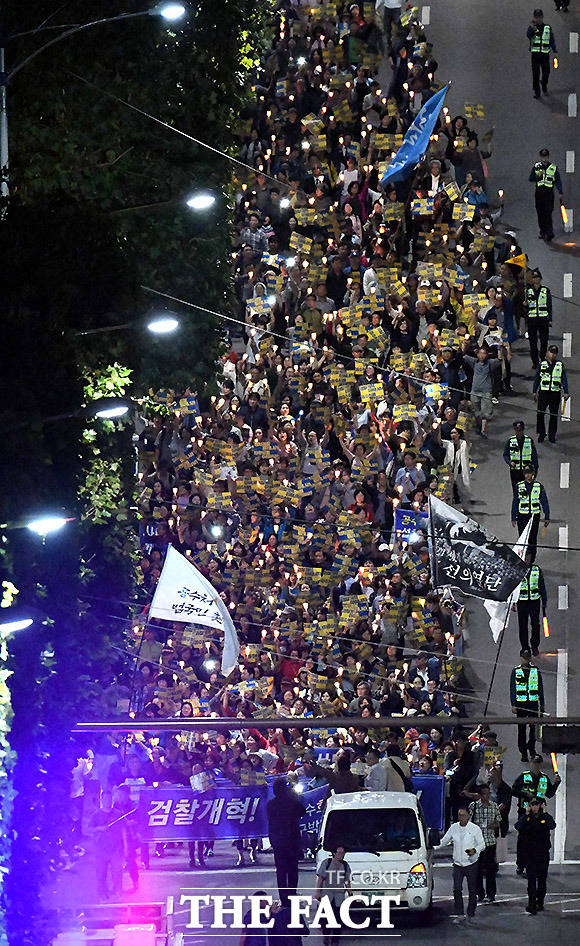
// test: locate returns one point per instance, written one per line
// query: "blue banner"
(409, 522)
(416, 140)
(227, 812)
(430, 791)
(314, 802)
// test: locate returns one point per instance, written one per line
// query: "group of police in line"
(550, 391)
(529, 501)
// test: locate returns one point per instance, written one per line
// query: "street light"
(170, 12)
(46, 525)
(16, 624)
(202, 200)
(110, 413)
(163, 325)
(106, 408)
(18, 617)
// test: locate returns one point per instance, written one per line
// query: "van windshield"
(373, 829)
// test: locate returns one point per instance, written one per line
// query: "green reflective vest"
(542, 786)
(545, 177)
(540, 41)
(522, 455)
(527, 691)
(530, 587)
(551, 376)
(538, 308)
(529, 503)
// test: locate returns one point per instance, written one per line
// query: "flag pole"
(496, 661)
(432, 549)
(433, 558)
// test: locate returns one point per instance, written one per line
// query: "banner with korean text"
(224, 812)
(467, 556)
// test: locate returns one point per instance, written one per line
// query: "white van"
(387, 844)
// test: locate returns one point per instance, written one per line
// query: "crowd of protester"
(370, 344)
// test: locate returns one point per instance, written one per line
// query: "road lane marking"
(567, 286)
(572, 105)
(569, 227)
(561, 710)
(567, 345)
(563, 538)
(570, 162)
(573, 42)
(564, 476)
(562, 597)
(426, 19)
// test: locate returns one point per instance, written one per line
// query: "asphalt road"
(506, 916)
(489, 62)
(169, 877)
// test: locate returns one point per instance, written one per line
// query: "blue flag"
(416, 139)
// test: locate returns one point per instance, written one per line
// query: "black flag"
(470, 558)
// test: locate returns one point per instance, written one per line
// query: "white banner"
(184, 594)
(499, 610)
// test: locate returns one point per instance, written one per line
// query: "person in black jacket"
(534, 828)
(254, 415)
(284, 813)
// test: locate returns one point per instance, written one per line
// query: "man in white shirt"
(376, 777)
(436, 179)
(468, 844)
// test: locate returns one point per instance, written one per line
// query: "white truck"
(388, 846)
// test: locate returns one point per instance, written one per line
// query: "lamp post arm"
(105, 329)
(75, 29)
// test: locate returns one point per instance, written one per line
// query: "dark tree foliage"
(96, 212)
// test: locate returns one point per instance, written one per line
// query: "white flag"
(499, 610)
(183, 594)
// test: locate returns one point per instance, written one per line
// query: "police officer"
(539, 309)
(550, 383)
(545, 176)
(527, 700)
(532, 783)
(532, 591)
(529, 500)
(533, 829)
(519, 452)
(542, 41)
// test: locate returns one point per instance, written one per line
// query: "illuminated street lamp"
(169, 11)
(202, 200)
(163, 324)
(14, 624)
(46, 525)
